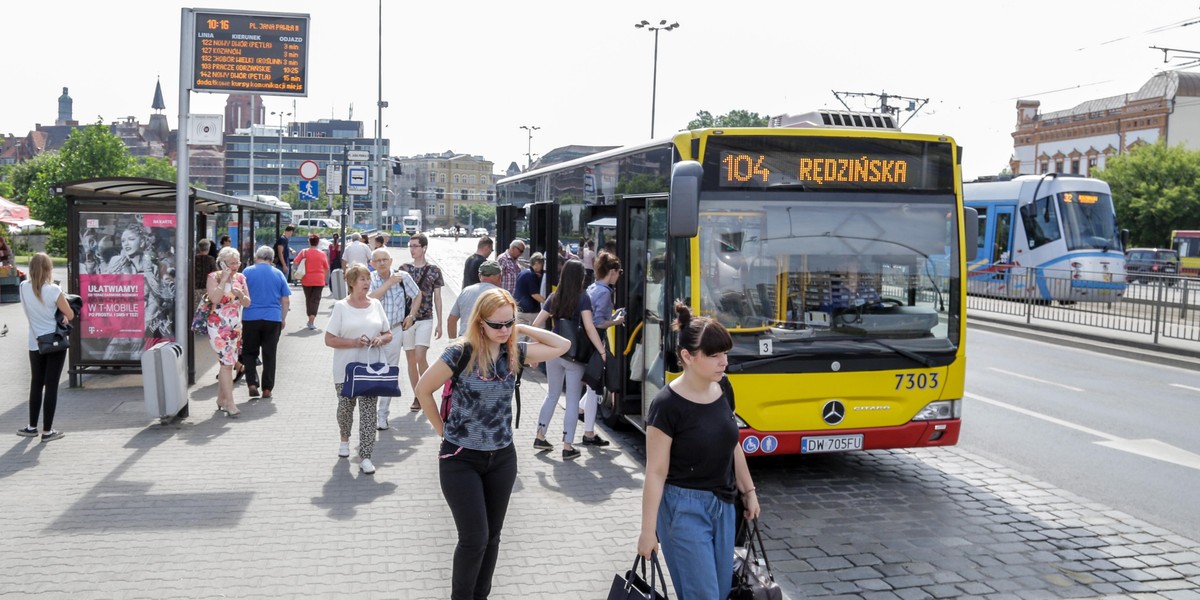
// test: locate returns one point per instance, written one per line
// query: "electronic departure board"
(251, 53)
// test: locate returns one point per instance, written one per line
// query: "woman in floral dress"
(226, 288)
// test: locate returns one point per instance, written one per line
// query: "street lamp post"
(392, 208)
(279, 189)
(662, 26)
(529, 144)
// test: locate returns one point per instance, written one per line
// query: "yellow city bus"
(834, 254)
(1187, 243)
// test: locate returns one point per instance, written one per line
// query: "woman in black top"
(694, 466)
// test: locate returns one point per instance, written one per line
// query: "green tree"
(734, 118)
(1155, 189)
(90, 152)
(153, 168)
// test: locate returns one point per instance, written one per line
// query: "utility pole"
(914, 104)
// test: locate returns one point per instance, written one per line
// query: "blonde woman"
(226, 289)
(358, 322)
(477, 462)
(42, 300)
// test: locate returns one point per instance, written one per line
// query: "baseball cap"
(488, 268)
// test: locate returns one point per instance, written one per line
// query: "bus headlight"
(740, 423)
(940, 410)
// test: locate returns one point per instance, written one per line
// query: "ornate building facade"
(1083, 138)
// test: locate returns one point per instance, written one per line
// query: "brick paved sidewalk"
(261, 506)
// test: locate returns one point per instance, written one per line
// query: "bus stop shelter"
(121, 235)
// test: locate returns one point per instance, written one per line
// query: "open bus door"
(542, 219)
(510, 224)
(639, 292)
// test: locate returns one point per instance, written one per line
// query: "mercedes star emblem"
(833, 412)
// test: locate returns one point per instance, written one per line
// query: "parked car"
(479, 232)
(438, 232)
(326, 223)
(1146, 264)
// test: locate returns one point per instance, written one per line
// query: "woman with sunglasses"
(569, 302)
(477, 462)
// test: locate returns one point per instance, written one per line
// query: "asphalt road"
(1116, 430)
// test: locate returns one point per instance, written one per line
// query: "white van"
(327, 223)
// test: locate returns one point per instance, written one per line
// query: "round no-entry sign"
(309, 170)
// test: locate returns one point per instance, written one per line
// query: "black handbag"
(593, 373)
(581, 347)
(633, 585)
(752, 577)
(55, 341)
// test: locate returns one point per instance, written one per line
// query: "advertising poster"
(127, 283)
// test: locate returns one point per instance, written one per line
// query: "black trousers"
(44, 371)
(477, 486)
(260, 335)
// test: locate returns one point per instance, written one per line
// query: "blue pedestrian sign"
(309, 189)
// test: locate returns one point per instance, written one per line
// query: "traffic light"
(413, 193)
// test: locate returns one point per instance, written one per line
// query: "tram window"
(1041, 222)
(982, 231)
(1003, 237)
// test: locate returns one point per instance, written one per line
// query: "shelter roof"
(137, 188)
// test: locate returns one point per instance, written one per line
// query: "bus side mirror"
(971, 231)
(683, 213)
(1124, 238)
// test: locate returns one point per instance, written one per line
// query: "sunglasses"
(508, 323)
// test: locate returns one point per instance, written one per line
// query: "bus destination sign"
(248, 53)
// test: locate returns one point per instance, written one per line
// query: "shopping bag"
(752, 577)
(633, 585)
(371, 379)
(637, 364)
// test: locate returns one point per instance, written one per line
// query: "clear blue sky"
(466, 79)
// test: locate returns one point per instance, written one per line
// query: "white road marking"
(1186, 387)
(1150, 448)
(1020, 376)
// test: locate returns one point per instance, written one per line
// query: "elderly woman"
(227, 290)
(358, 322)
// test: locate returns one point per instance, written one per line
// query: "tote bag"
(299, 270)
(371, 378)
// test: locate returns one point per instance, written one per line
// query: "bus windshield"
(1089, 221)
(803, 268)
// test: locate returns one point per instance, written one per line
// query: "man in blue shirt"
(263, 320)
(528, 293)
(283, 252)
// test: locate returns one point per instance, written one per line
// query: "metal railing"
(1159, 306)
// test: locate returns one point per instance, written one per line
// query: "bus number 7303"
(916, 381)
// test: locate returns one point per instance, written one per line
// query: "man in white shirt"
(356, 252)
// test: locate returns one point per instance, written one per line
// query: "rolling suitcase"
(164, 382)
(337, 285)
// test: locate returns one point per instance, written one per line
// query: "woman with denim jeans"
(694, 466)
(569, 301)
(477, 462)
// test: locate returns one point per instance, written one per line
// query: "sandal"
(239, 370)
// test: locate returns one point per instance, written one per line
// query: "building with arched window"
(1082, 138)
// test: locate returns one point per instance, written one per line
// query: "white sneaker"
(366, 467)
(344, 449)
(382, 425)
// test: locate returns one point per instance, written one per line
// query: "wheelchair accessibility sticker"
(750, 445)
